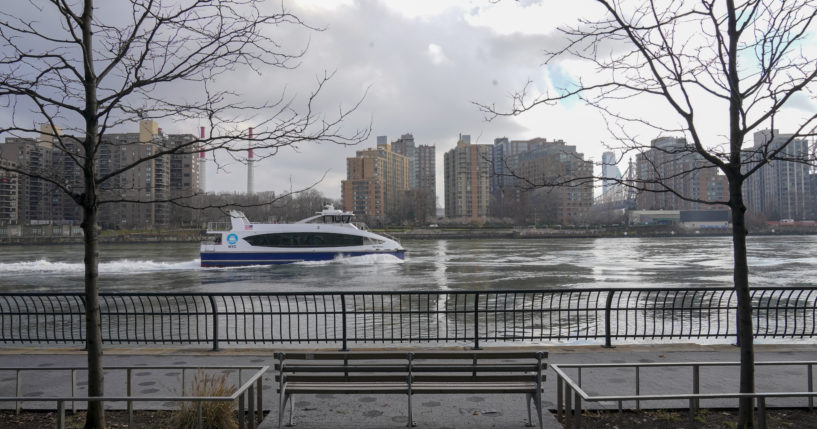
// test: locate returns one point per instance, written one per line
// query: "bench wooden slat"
(411, 372)
(454, 378)
(418, 355)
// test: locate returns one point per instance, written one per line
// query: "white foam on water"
(357, 260)
(123, 266)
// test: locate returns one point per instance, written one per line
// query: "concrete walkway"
(430, 411)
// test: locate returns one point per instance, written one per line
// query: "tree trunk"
(744, 316)
(90, 210)
(93, 332)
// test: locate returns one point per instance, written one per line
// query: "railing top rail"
(261, 368)
(673, 364)
(599, 398)
(413, 292)
(119, 398)
(238, 391)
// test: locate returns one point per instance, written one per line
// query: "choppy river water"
(429, 265)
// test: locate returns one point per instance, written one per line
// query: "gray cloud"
(409, 87)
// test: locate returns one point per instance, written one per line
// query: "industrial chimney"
(250, 168)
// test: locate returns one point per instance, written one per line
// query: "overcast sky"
(423, 64)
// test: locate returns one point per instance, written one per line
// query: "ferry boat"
(327, 235)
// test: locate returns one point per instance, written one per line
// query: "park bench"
(410, 373)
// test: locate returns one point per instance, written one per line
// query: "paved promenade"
(430, 411)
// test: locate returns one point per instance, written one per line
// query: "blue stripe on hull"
(209, 260)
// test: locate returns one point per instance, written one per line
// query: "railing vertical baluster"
(476, 321)
(811, 386)
(761, 412)
(637, 387)
(696, 385)
(60, 414)
(259, 388)
(608, 305)
(251, 406)
(19, 390)
(577, 407)
(129, 384)
(343, 319)
(73, 390)
(568, 406)
(215, 321)
(241, 411)
(559, 398)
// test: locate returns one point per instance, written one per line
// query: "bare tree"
(721, 71)
(90, 67)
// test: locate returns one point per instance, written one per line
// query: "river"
(429, 265)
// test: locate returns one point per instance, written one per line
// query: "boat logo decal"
(232, 239)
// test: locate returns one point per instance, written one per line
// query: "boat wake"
(123, 266)
(357, 260)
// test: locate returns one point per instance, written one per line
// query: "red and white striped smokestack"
(250, 169)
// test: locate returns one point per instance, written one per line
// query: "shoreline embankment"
(195, 236)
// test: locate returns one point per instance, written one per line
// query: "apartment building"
(672, 164)
(467, 172)
(375, 180)
(780, 189)
(422, 175)
(560, 181)
(137, 194)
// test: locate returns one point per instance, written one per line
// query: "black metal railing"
(466, 317)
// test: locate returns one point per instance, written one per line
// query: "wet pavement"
(430, 411)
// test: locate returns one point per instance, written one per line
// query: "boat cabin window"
(337, 218)
(305, 239)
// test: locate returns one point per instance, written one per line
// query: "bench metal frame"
(410, 373)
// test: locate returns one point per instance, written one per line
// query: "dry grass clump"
(215, 414)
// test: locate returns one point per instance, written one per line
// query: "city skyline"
(424, 80)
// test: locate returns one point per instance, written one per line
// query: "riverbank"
(195, 235)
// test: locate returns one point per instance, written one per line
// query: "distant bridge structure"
(618, 191)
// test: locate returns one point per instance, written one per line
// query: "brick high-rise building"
(8, 194)
(141, 193)
(38, 200)
(506, 195)
(563, 179)
(422, 175)
(671, 163)
(467, 179)
(375, 180)
(779, 189)
(147, 188)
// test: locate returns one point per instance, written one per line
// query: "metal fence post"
(18, 405)
(251, 406)
(241, 415)
(810, 387)
(696, 387)
(343, 314)
(215, 322)
(259, 387)
(559, 398)
(60, 415)
(608, 342)
(129, 390)
(476, 321)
